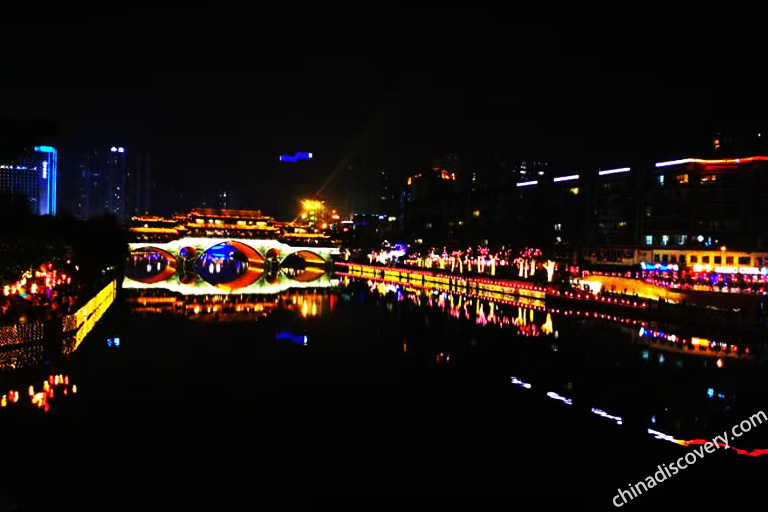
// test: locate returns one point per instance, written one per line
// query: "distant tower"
(388, 200)
(114, 181)
(103, 182)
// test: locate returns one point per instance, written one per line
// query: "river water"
(379, 385)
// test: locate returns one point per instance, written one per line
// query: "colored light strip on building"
(566, 178)
(659, 266)
(527, 183)
(613, 171)
(741, 270)
(722, 161)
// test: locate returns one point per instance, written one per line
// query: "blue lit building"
(33, 175)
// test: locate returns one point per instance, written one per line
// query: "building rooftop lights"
(721, 161)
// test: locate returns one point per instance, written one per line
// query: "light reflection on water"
(686, 411)
(39, 395)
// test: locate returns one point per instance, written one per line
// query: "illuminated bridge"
(227, 265)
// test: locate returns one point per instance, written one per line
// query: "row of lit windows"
(665, 239)
(743, 261)
(682, 179)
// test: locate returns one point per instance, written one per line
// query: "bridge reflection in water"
(215, 266)
(306, 303)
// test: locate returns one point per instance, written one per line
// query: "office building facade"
(34, 176)
(114, 181)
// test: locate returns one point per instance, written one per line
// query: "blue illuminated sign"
(296, 340)
(45, 149)
(296, 157)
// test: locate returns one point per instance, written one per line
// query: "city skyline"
(393, 100)
(441, 253)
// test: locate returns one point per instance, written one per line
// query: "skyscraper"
(388, 196)
(114, 181)
(33, 175)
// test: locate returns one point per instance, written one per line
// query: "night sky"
(216, 104)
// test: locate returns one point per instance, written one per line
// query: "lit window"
(648, 239)
(476, 213)
(648, 211)
(622, 224)
(664, 239)
(574, 191)
(708, 178)
(660, 179)
(558, 227)
(682, 178)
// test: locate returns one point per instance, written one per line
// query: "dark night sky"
(217, 104)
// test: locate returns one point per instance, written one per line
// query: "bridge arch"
(230, 265)
(150, 265)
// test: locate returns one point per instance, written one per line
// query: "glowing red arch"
(169, 270)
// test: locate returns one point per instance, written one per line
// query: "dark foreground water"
(371, 396)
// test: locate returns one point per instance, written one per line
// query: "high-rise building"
(114, 181)
(388, 196)
(33, 175)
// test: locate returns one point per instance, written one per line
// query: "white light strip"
(566, 178)
(554, 395)
(527, 183)
(613, 171)
(674, 162)
(518, 382)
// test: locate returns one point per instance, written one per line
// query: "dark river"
(376, 386)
